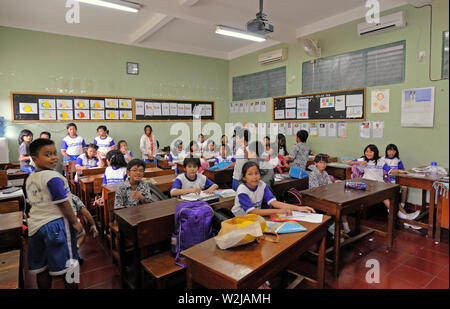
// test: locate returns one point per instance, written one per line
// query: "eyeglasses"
(137, 170)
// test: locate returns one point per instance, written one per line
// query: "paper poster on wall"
(302, 114)
(111, 103)
(380, 101)
(165, 108)
(157, 109)
(180, 109)
(418, 107)
(47, 114)
(173, 109)
(291, 113)
(354, 100)
(377, 129)
(97, 104)
(313, 130)
(364, 129)
(273, 129)
(326, 102)
(126, 114)
(231, 108)
(261, 130)
(304, 126)
(302, 103)
(252, 107)
(341, 129)
(140, 108)
(97, 115)
(290, 102)
(64, 104)
(148, 108)
(82, 114)
(339, 103)
(332, 131)
(47, 104)
(208, 110)
(289, 129)
(241, 107)
(81, 103)
(322, 129)
(282, 128)
(28, 108)
(65, 115)
(279, 114)
(197, 111)
(112, 114)
(354, 112)
(246, 107)
(263, 106)
(257, 107)
(297, 127)
(187, 109)
(125, 103)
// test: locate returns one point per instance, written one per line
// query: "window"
(270, 83)
(380, 65)
(445, 55)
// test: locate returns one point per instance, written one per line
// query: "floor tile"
(437, 284)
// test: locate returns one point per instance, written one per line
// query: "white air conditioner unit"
(272, 56)
(388, 22)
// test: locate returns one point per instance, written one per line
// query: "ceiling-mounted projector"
(260, 24)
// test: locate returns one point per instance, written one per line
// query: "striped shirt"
(104, 144)
(114, 175)
(73, 145)
(248, 199)
(200, 181)
(392, 164)
(373, 171)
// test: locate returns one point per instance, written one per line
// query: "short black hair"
(248, 165)
(120, 142)
(92, 145)
(135, 162)
(71, 125)
(37, 145)
(321, 157)
(46, 133)
(148, 126)
(116, 159)
(303, 135)
(374, 149)
(104, 128)
(392, 147)
(24, 133)
(191, 160)
(242, 132)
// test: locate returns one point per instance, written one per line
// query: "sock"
(331, 229)
(346, 227)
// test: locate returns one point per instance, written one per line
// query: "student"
(134, 191)
(282, 148)
(86, 160)
(52, 224)
(148, 145)
(194, 150)
(224, 157)
(241, 155)
(319, 177)
(394, 164)
(45, 134)
(276, 160)
(123, 148)
(104, 142)
(210, 153)
(25, 138)
(191, 181)
(72, 145)
(79, 208)
(224, 141)
(267, 151)
(117, 168)
(265, 168)
(300, 152)
(254, 196)
(202, 144)
(177, 154)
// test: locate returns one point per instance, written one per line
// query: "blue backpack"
(192, 226)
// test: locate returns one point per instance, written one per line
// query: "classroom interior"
(41, 53)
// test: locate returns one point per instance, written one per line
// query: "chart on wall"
(56, 107)
(167, 109)
(343, 105)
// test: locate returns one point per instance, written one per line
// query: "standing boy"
(300, 152)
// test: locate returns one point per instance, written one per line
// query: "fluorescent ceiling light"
(241, 34)
(114, 4)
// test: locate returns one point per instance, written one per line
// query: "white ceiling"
(187, 26)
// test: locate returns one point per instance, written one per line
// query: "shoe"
(402, 215)
(413, 215)
(412, 226)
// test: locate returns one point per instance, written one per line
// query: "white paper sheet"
(339, 104)
(97, 115)
(291, 113)
(165, 108)
(364, 130)
(354, 100)
(65, 115)
(304, 216)
(111, 103)
(125, 103)
(380, 101)
(279, 114)
(64, 104)
(97, 104)
(377, 129)
(47, 104)
(112, 114)
(418, 107)
(187, 109)
(126, 115)
(47, 114)
(322, 129)
(81, 114)
(332, 130)
(290, 103)
(28, 108)
(140, 108)
(81, 103)
(157, 109)
(326, 102)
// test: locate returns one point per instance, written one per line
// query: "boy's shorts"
(54, 247)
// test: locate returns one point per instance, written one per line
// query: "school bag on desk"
(192, 226)
(297, 172)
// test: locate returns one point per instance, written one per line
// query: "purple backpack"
(192, 226)
(357, 171)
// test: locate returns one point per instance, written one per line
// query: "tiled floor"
(414, 262)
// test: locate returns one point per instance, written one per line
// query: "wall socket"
(422, 55)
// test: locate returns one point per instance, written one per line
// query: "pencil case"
(356, 185)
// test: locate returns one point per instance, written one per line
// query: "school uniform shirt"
(24, 149)
(113, 175)
(148, 145)
(221, 159)
(77, 204)
(177, 157)
(104, 144)
(373, 171)
(248, 199)
(83, 160)
(210, 154)
(73, 145)
(126, 158)
(392, 164)
(200, 181)
(45, 189)
(240, 161)
(123, 194)
(317, 179)
(203, 147)
(300, 153)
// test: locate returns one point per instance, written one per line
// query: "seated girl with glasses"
(134, 190)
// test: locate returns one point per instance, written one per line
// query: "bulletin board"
(151, 109)
(47, 107)
(341, 105)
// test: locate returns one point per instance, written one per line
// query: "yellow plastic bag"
(241, 230)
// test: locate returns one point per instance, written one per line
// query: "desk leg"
(321, 263)
(431, 213)
(337, 241)
(393, 209)
(122, 258)
(437, 235)
(189, 283)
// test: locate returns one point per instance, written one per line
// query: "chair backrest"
(109, 207)
(3, 179)
(98, 184)
(150, 164)
(93, 171)
(158, 173)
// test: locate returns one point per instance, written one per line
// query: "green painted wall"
(42, 62)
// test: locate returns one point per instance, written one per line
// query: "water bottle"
(433, 167)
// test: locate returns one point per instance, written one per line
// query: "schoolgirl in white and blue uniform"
(117, 169)
(72, 145)
(373, 169)
(104, 142)
(392, 162)
(88, 159)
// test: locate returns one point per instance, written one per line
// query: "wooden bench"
(11, 270)
(161, 268)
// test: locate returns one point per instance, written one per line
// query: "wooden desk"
(223, 178)
(10, 270)
(156, 171)
(426, 184)
(143, 226)
(17, 175)
(280, 186)
(12, 202)
(249, 266)
(10, 231)
(339, 170)
(86, 184)
(163, 163)
(336, 201)
(442, 219)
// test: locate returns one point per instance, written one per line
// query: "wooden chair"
(93, 171)
(158, 173)
(161, 268)
(69, 169)
(151, 164)
(99, 217)
(3, 179)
